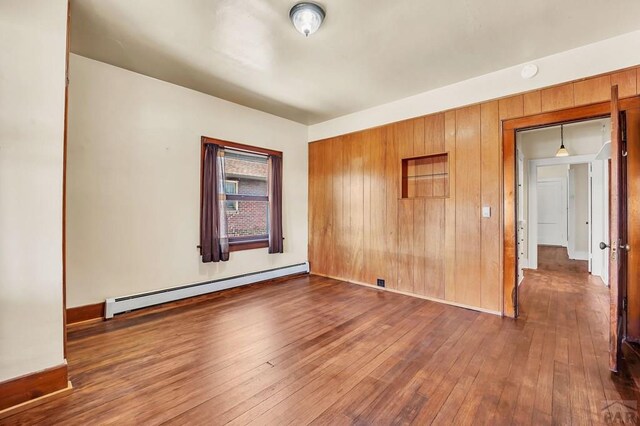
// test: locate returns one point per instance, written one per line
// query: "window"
(247, 195)
(231, 187)
(247, 207)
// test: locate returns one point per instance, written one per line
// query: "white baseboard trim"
(579, 255)
(118, 305)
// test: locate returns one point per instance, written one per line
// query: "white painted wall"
(579, 211)
(556, 171)
(584, 138)
(597, 58)
(134, 182)
(32, 76)
(600, 209)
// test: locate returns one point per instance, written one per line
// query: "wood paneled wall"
(360, 228)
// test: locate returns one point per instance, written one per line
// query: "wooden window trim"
(238, 243)
(248, 245)
(240, 147)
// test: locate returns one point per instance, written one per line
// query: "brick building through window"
(246, 174)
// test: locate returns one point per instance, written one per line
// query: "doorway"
(624, 278)
(563, 200)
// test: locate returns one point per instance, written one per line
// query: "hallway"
(553, 258)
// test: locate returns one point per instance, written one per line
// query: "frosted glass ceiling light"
(562, 151)
(306, 17)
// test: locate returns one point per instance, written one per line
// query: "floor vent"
(118, 305)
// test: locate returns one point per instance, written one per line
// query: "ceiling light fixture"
(306, 17)
(562, 151)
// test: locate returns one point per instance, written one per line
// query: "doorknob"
(603, 245)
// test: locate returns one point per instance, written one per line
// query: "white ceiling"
(368, 52)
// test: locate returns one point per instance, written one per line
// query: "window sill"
(247, 245)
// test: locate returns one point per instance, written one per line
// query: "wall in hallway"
(579, 214)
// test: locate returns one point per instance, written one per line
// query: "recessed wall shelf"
(426, 176)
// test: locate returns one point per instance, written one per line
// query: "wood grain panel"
(434, 142)
(617, 226)
(347, 246)
(434, 248)
(512, 107)
(626, 81)
(406, 215)
(592, 90)
(434, 133)
(404, 137)
(450, 208)
(354, 202)
(367, 176)
(557, 97)
(340, 245)
(375, 168)
(420, 239)
(32, 386)
(324, 218)
(468, 193)
(419, 141)
(509, 222)
(320, 216)
(315, 208)
(532, 103)
(393, 188)
(404, 134)
(490, 294)
(356, 214)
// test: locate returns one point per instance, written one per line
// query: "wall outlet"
(380, 282)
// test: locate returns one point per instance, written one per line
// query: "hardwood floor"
(320, 351)
(554, 258)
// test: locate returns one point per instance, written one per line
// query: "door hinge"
(624, 304)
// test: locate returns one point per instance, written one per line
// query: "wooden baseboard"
(31, 386)
(431, 299)
(97, 310)
(85, 313)
(11, 411)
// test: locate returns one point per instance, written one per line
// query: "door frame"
(509, 129)
(532, 211)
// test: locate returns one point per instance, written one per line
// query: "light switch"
(486, 211)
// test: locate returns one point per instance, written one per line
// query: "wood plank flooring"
(312, 350)
(554, 258)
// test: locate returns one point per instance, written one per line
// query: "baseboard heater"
(118, 305)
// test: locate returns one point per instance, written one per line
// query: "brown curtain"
(275, 205)
(214, 242)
